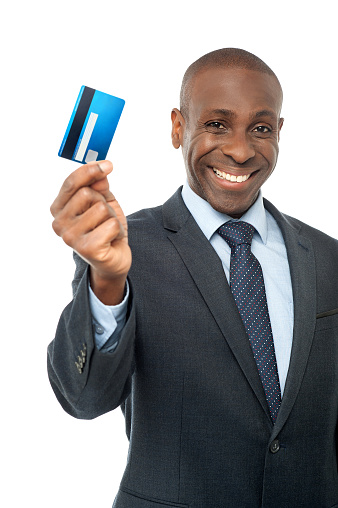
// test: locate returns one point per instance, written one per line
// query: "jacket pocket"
(129, 499)
(331, 312)
(326, 322)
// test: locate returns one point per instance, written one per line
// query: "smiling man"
(211, 320)
(233, 144)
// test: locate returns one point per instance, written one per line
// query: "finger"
(102, 186)
(108, 232)
(84, 199)
(82, 177)
(87, 222)
(114, 204)
(97, 244)
(79, 203)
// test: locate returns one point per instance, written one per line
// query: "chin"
(232, 208)
(234, 212)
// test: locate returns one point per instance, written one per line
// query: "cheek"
(190, 155)
(270, 151)
(199, 148)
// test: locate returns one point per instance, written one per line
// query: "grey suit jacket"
(185, 377)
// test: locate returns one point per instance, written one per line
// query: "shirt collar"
(209, 220)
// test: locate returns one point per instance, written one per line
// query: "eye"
(262, 129)
(215, 125)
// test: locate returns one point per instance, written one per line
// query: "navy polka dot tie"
(247, 286)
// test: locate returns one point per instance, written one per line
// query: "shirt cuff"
(107, 318)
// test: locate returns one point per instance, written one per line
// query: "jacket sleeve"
(87, 382)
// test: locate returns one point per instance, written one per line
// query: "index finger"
(83, 176)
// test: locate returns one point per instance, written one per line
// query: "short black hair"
(226, 57)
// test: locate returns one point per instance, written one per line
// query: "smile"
(230, 178)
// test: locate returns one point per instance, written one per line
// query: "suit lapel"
(303, 277)
(206, 269)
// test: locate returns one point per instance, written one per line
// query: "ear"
(280, 125)
(177, 128)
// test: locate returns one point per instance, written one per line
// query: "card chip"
(91, 156)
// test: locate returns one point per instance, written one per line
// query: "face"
(230, 135)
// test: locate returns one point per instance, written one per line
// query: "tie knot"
(236, 233)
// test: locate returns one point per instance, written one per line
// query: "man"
(222, 347)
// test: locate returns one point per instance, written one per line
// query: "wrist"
(109, 291)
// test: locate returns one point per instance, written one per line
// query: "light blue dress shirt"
(108, 321)
(269, 248)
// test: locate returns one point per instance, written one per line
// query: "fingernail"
(105, 166)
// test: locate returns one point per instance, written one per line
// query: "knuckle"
(102, 209)
(68, 237)
(101, 206)
(113, 223)
(116, 227)
(116, 223)
(56, 227)
(86, 248)
(68, 185)
(85, 193)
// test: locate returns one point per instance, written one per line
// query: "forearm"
(103, 382)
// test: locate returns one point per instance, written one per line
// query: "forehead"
(239, 90)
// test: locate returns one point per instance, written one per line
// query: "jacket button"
(274, 446)
(79, 368)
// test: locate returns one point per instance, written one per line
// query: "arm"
(88, 382)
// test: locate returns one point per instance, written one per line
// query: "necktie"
(247, 287)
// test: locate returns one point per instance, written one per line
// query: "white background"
(137, 51)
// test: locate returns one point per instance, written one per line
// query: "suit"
(184, 374)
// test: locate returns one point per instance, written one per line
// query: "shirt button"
(274, 447)
(99, 330)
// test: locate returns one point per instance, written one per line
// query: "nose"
(238, 147)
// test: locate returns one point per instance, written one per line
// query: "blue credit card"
(92, 126)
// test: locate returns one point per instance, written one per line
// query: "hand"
(89, 219)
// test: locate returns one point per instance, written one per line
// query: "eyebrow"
(264, 112)
(222, 112)
(231, 114)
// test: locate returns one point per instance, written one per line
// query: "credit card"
(92, 126)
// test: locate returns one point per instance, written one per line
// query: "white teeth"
(231, 178)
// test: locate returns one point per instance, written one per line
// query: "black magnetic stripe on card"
(78, 121)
